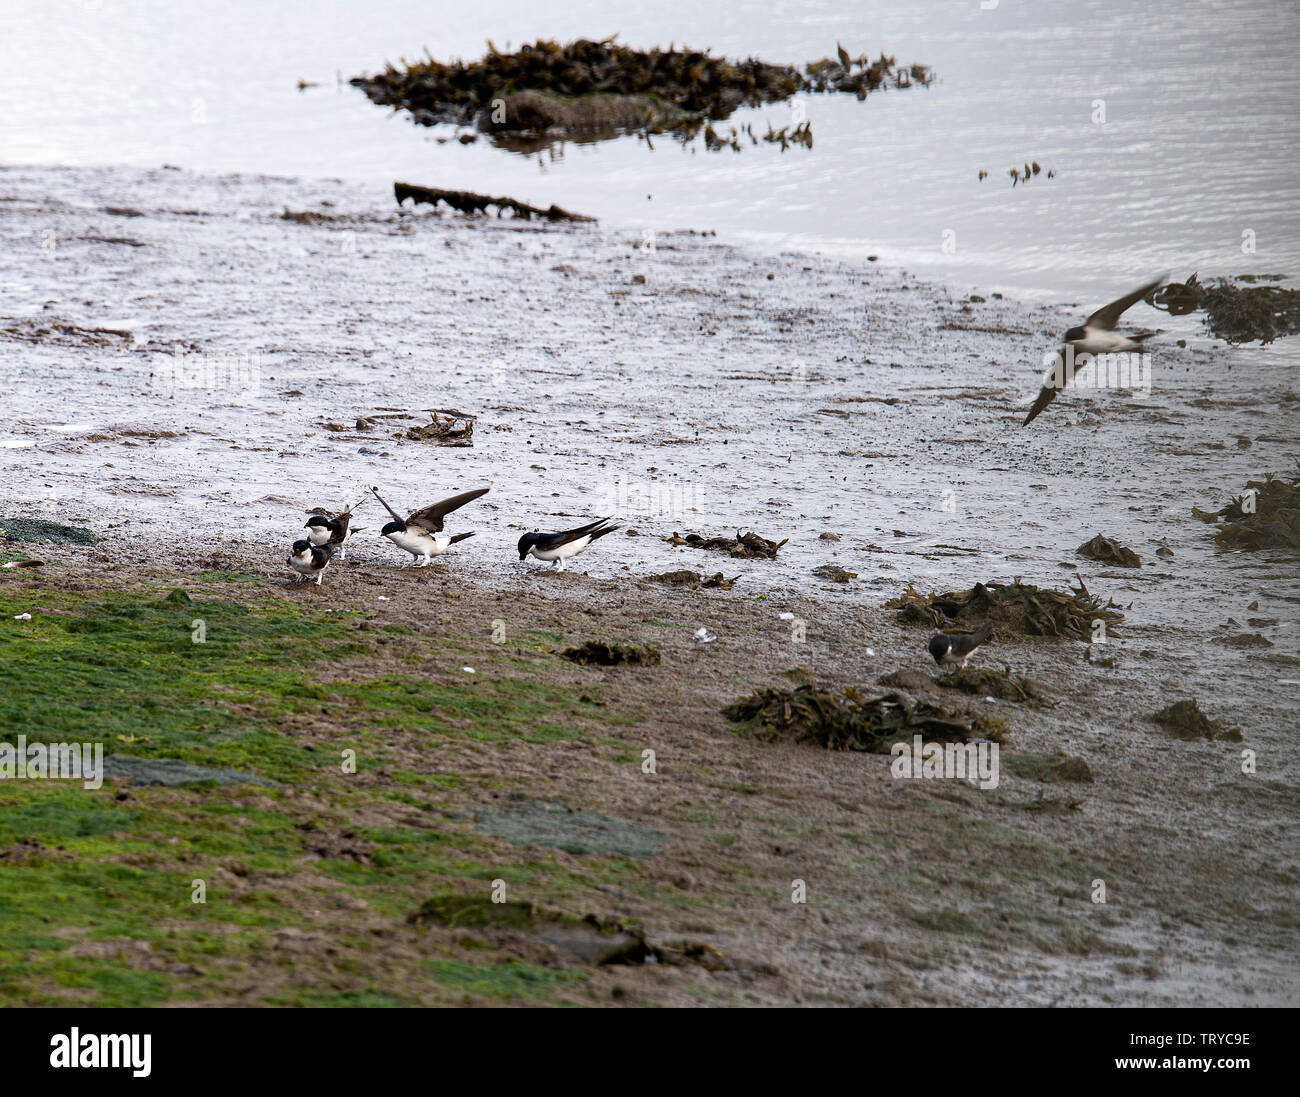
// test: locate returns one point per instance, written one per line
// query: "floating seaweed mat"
(745, 545)
(1014, 607)
(847, 720)
(672, 84)
(1265, 515)
(1236, 314)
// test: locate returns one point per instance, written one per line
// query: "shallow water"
(1198, 146)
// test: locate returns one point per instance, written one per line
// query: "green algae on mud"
(40, 531)
(96, 886)
(209, 681)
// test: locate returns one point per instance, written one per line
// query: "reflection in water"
(1172, 151)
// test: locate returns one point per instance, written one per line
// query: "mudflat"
(190, 370)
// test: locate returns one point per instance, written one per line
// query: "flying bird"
(420, 533)
(952, 649)
(1096, 336)
(309, 560)
(558, 547)
(332, 529)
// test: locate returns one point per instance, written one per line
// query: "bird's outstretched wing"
(1052, 383)
(344, 519)
(431, 517)
(555, 540)
(1107, 317)
(375, 492)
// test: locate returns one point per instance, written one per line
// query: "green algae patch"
(40, 531)
(948, 920)
(97, 886)
(511, 980)
(215, 682)
(475, 912)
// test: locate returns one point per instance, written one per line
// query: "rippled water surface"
(1198, 146)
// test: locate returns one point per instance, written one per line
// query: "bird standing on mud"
(951, 650)
(309, 560)
(420, 533)
(332, 529)
(1096, 336)
(558, 547)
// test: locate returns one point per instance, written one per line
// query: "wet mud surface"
(695, 386)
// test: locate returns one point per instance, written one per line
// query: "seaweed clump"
(986, 682)
(1106, 551)
(847, 720)
(1057, 766)
(1014, 607)
(1265, 515)
(693, 580)
(1236, 314)
(1185, 720)
(446, 427)
(604, 88)
(605, 653)
(743, 545)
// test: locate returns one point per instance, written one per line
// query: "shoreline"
(684, 382)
